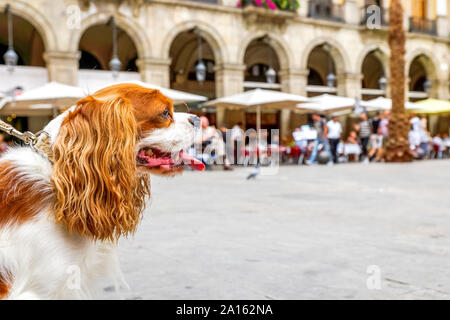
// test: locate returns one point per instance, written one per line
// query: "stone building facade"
(239, 43)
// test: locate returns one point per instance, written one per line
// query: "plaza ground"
(303, 233)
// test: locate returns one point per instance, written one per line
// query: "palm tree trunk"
(397, 147)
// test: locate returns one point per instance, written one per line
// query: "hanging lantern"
(331, 80)
(10, 57)
(255, 70)
(200, 67)
(382, 83)
(115, 63)
(200, 71)
(427, 86)
(115, 66)
(271, 75)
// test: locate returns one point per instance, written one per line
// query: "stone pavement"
(305, 233)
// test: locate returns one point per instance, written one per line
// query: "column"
(229, 79)
(292, 81)
(351, 12)
(155, 70)
(442, 89)
(62, 66)
(220, 115)
(349, 84)
(304, 8)
(442, 23)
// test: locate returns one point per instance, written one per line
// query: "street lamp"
(200, 71)
(115, 63)
(382, 83)
(331, 80)
(271, 74)
(200, 68)
(10, 55)
(427, 86)
(331, 77)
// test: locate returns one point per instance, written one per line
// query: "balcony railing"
(369, 16)
(421, 25)
(290, 5)
(325, 10)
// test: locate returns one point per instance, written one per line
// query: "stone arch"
(340, 56)
(209, 33)
(37, 20)
(281, 48)
(132, 29)
(384, 56)
(430, 62)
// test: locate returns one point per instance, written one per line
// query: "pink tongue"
(191, 161)
(155, 162)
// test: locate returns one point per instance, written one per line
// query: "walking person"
(334, 135)
(321, 128)
(237, 138)
(365, 130)
(225, 147)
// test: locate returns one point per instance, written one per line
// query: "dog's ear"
(98, 191)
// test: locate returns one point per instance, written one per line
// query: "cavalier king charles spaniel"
(61, 218)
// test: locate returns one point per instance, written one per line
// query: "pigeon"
(254, 172)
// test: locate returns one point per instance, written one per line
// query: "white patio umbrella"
(328, 103)
(331, 103)
(176, 96)
(382, 103)
(42, 100)
(259, 98)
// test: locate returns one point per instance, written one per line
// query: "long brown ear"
(99, 192)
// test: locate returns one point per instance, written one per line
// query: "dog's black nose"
(194, 120)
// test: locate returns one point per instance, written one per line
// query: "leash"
(39, 142)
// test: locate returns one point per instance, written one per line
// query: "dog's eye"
(166, 114)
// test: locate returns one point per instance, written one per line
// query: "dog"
(61, 217)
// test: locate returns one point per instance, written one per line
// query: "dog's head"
(103, 149)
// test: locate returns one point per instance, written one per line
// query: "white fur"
(41, 256)
(179, 136)
(43, 259)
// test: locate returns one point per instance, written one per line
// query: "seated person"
(438, 146)
(446, 141)
(352, 149)
(376, 146)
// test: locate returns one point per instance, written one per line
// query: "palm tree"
(397, 148)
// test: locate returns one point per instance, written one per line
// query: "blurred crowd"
(366, 141)
(322, 141)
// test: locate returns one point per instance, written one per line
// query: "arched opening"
(322, 71)
(420, 78)
(185, 56)
(374, 80)
(262, 66)
(96, 47)
(28, 43)
(29, 47)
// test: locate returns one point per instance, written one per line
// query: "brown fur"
(99, 191)
(21, 198)
(5, 284)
